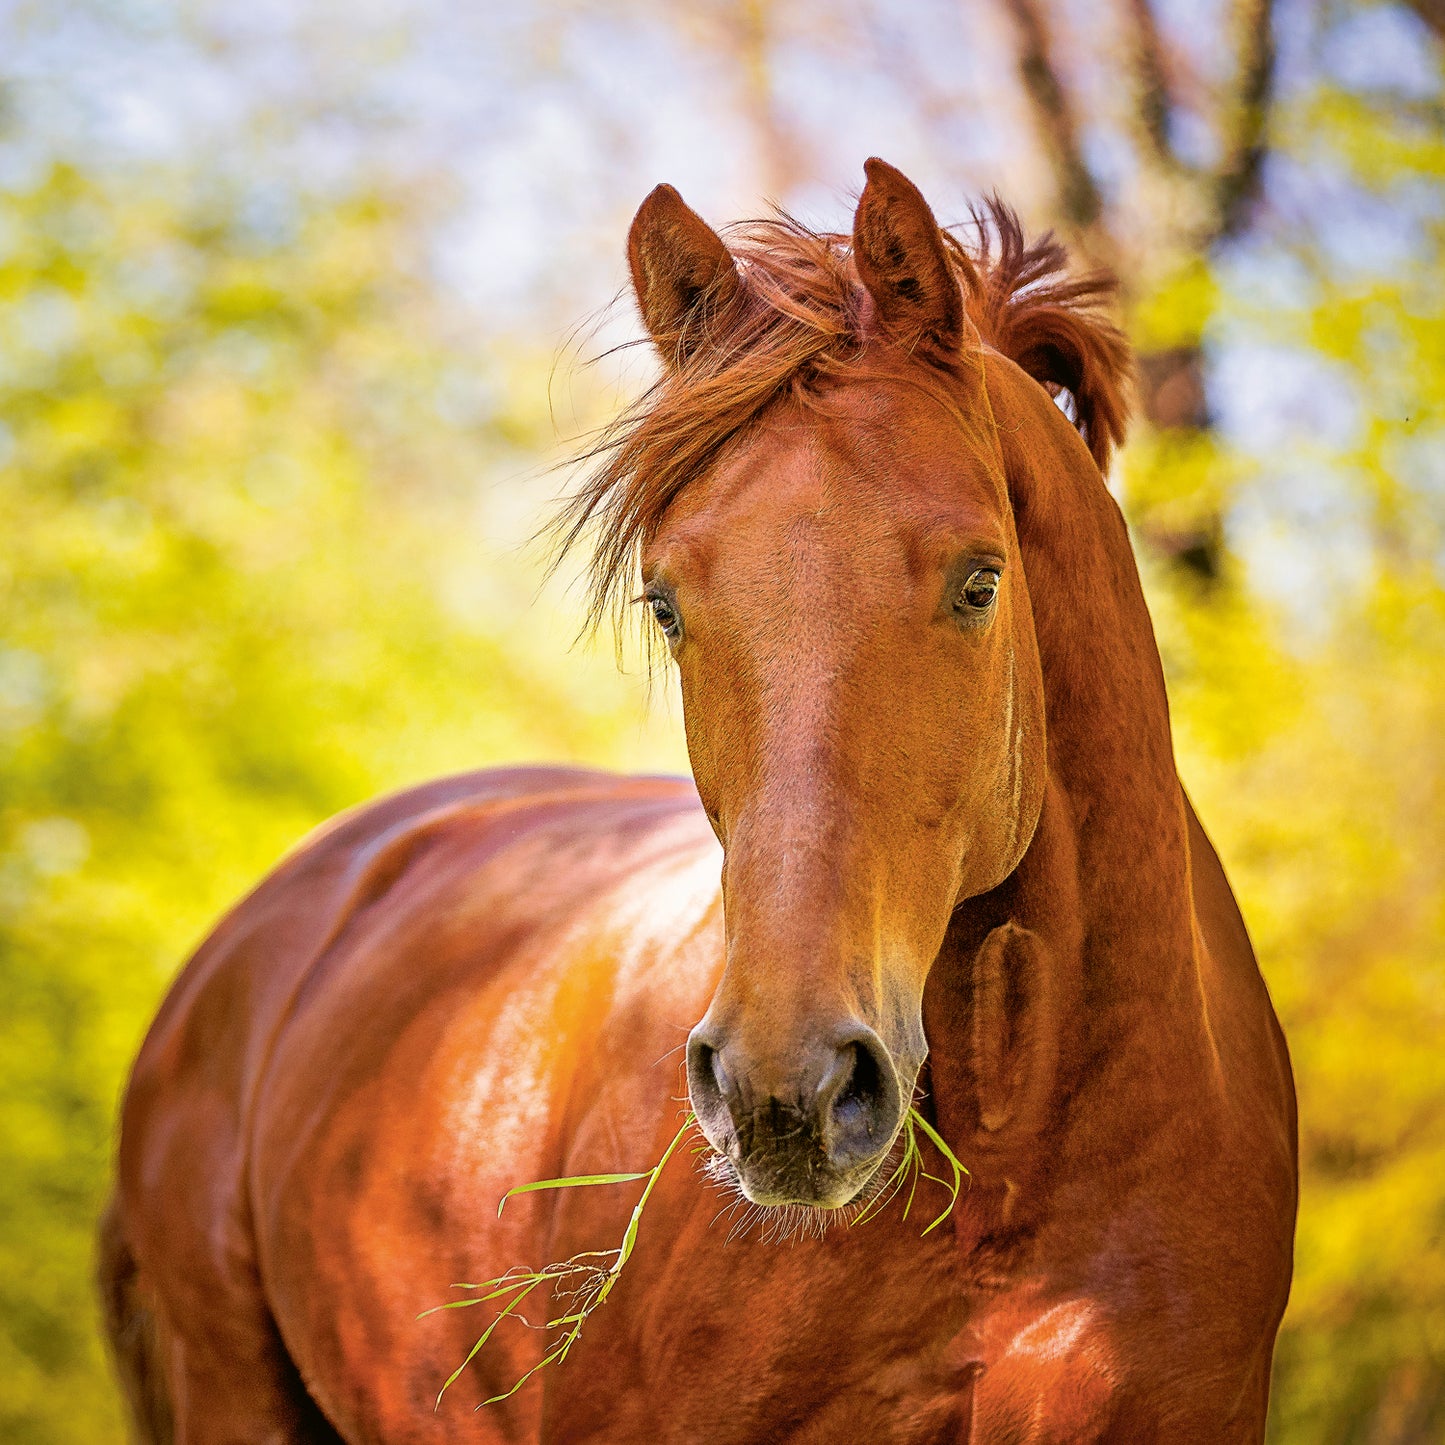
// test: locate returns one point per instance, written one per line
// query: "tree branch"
(1432, 12)
(1152, 81)
(1079, 199)
(1245, 122)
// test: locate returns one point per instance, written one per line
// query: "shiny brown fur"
(488, 980)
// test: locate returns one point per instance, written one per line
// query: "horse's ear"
(899, 251)
(681, 271)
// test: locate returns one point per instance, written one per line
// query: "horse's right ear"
(681, 271)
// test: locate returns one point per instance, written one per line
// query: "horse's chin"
(786, 1187)
(827, 1200)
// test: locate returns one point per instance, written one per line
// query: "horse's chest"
(809, 1342)
(788, 1351)
(922, 1388)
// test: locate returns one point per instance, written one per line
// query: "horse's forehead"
(858, 464)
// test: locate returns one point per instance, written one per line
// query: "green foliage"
(1178, 310)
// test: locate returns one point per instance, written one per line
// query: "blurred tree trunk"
(1432, 12)
(779, 146)
(747, 33)
(1174, 211)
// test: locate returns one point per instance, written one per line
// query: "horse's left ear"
(899, 251)
(681, 271)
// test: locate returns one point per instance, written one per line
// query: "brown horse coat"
(490, 980)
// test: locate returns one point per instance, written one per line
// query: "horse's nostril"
(712, 1090)
(856, 1105)
(714, 1061)
(828, 1105)
(706, 1071)
(702, 1067)
(856, 1102)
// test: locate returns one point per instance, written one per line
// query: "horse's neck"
(1079, 974)
(1111, 756)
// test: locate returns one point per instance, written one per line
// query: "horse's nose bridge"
(805, 956)
(800, 865)
(812, 706)
(792, 1070)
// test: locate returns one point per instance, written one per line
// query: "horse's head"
(823, 521)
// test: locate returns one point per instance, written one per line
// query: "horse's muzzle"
(811, 1128)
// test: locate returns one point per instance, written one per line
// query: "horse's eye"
(666, 616)
(980, 590)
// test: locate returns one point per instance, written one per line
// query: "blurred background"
(297, 300)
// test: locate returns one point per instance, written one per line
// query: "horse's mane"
(800, 317)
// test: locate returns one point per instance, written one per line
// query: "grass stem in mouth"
(585, 1280)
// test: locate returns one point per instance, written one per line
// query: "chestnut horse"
(930, 742)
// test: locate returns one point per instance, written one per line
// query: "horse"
(934, 860)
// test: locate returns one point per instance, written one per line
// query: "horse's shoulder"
(505, 1014)
(275, 933)
(299, 930)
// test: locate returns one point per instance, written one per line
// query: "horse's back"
(384, 1036)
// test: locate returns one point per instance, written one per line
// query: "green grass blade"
(560, 1353)
(884, 1196)
(596, 1282)
(495, 1288)
(960, 1173)
(576, 1181)
(486, 1335)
